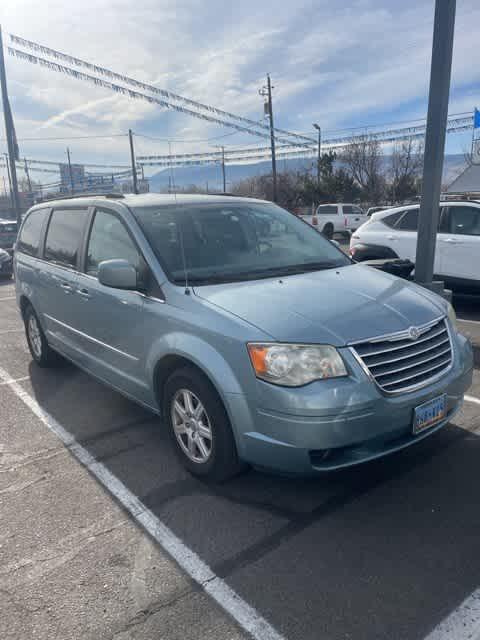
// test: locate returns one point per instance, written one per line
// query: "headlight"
(293, 365)
(452, 316)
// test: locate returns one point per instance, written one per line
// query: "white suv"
(393, 234)
(337, 218)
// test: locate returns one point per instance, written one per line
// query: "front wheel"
(199, 426)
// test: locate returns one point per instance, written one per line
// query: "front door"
(110, 321)
(459, 246)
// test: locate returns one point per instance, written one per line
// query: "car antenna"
(182, 246)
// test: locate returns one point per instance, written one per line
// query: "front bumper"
(338, 423)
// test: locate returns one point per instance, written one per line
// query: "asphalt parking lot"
(386, 550)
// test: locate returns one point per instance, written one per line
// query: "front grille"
(398, 362)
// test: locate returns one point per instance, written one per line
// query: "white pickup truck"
(337, 218)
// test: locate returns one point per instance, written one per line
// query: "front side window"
(409, 221)
(29, 240)
(109, 239)
(465, 221)
(64, 235)
(234, 242)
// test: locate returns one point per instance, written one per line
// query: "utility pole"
(27, 173)
(7, 164)
(318, 128)
(132, 158)
(70, 171)
(442, 48)
(10, 133)
(267, 91)
(223, 169)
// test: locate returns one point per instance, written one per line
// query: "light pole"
(318, 128)
(442, 48)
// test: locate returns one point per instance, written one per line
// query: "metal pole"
(7, 164)
(10, 135)
(272, 138)
(435, 141)
(132, 158)
(319, 151)
(70, 171)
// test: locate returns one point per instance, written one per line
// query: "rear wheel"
(199, 426)
(40, 350)
(328, 230)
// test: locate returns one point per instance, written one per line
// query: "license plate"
(429, 413)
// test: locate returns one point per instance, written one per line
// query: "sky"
(339, 63)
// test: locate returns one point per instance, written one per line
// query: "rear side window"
(29, 240)
(327, 209)
(109, 239)
(409, 222)
(392, 219)
(64, 236)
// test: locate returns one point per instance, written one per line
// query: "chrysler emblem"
(413, 332)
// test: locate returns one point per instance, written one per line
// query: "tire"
(189, 437)
(40, 350)
(328, 230)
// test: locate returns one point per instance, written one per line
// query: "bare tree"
(406, 164)
(363, 161)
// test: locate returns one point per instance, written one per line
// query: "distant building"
(467, 182)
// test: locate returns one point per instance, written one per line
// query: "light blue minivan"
(255, 338)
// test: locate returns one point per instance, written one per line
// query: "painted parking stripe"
(461, 624)
(246, 616)
(472, 399)
(11, 381)
(8, 298)
(11, 331)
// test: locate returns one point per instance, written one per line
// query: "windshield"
(234, 242)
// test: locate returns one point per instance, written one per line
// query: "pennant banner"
(169, 95)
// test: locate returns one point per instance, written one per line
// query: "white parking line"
(8, 298)
(471, 399)
(461, 624)
(11, 331)
(11, 381)
(246, 616)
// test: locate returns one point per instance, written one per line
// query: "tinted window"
(64, 236)
(465, 221)
(8, 227)
(409, 222)
(327, 209)
(29, 240)
(109, 239)
(392, 219)
(227, 242)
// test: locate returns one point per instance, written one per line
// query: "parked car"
(393, 234)
(260, 347)
(6, 264)
(8, 233)
(336, 218)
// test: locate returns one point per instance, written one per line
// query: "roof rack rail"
(111, 195)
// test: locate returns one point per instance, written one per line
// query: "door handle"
(390, 237)
(66, 287)
(450, 241)
(84, 293)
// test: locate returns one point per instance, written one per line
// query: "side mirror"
(118, 274)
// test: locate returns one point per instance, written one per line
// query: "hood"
(336, 306)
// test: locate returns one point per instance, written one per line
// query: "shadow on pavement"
(384, 550)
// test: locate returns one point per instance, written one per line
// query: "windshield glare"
(224, 242)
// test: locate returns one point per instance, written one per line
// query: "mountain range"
(209, 177)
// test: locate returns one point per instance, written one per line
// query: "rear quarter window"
(392, 219)
(30, 234)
